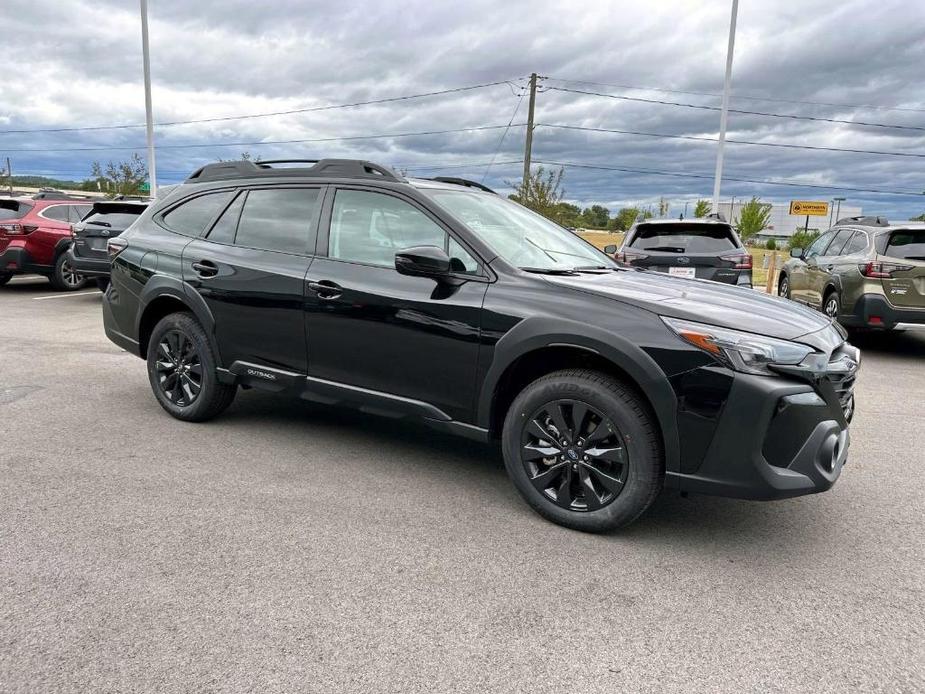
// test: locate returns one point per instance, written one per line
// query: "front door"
(370, 327)
(250, 269)
(805, 275)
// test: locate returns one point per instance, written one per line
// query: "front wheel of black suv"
(583, 450)
(181, 369)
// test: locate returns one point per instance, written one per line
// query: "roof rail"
(332, 168)
(51, 194)
(463, 182)
(717, 216)
(865, 221)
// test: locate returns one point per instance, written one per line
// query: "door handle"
(325, 289)
(205, 268)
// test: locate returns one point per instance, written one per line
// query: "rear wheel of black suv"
(181, 369)
(5, 277)
(583, 450)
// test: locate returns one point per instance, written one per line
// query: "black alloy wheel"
(179, 368)
(574, 455)
(64, 277)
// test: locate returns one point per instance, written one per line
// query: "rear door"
(904, 266)
(250, 270)
(693, 250)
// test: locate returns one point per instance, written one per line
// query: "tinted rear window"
(12, 209)
(684, 238)
(906, 243)
(114, 220)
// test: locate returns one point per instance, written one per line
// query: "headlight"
(744, 352)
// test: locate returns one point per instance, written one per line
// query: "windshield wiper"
(667, 249)
(550, 270)
(99, 223)
(582, 268)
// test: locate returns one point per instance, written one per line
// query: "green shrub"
(771, 245)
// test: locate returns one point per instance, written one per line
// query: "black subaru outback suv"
(344, 283)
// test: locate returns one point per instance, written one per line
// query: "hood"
(702, 301)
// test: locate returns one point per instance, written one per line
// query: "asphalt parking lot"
(286, 547)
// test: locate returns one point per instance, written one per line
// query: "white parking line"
(66, 295)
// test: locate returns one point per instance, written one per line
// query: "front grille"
(842, 372)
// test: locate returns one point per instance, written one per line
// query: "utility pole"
(149, 118)
(727, 85)
(9, 172)
(528, 142)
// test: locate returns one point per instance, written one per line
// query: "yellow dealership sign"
(810, 208)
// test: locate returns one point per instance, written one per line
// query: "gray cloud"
(79, 63)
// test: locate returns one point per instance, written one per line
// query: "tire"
(63, 278)
(783, 287)
(187, 345)
(831, 304)
(5, 277)
(626, 467)
(102, 283)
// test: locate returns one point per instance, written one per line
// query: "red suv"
(35, 235)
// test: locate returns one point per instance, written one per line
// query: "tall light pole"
(149, 117)
(727, 85)
(838, 202)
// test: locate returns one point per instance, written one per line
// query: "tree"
(5, 179)
(124, 178)
(920, 218)
(567, 215)
(802, 239)
(703, 208)
(595, 217)
(245, 156)
(541, 192)
(771, 245)
(624, 218)
(753, 218)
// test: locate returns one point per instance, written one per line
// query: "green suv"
(864, 273)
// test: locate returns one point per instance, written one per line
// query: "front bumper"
(870, 307)
(88, 267)
(776, 438)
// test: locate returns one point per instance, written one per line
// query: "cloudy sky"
(77, 64)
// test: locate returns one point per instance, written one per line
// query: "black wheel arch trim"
(535, 334)
(164, 286)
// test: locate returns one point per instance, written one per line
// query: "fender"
(164, 285)
(535, 333)
(61, 247)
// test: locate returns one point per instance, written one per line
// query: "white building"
(782, 224)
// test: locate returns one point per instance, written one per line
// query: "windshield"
(684, 238)
(523, 238)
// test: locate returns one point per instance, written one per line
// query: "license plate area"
(96, 243)
(688, 272)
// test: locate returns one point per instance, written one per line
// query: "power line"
(312, 109)
(268, 142)
(742, 111)
(503, 135)
(699, 138)
(742, 96)
(656, 172)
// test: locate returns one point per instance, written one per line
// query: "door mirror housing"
(796, 252)
(423, 261)
(610, 249)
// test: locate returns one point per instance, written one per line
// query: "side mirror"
(610, 249)
(796, 252)
(423, 261)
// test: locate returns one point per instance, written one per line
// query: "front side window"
(190, 218)
(278, 219)
(819, 245)
(371, 227)
(523, 238)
